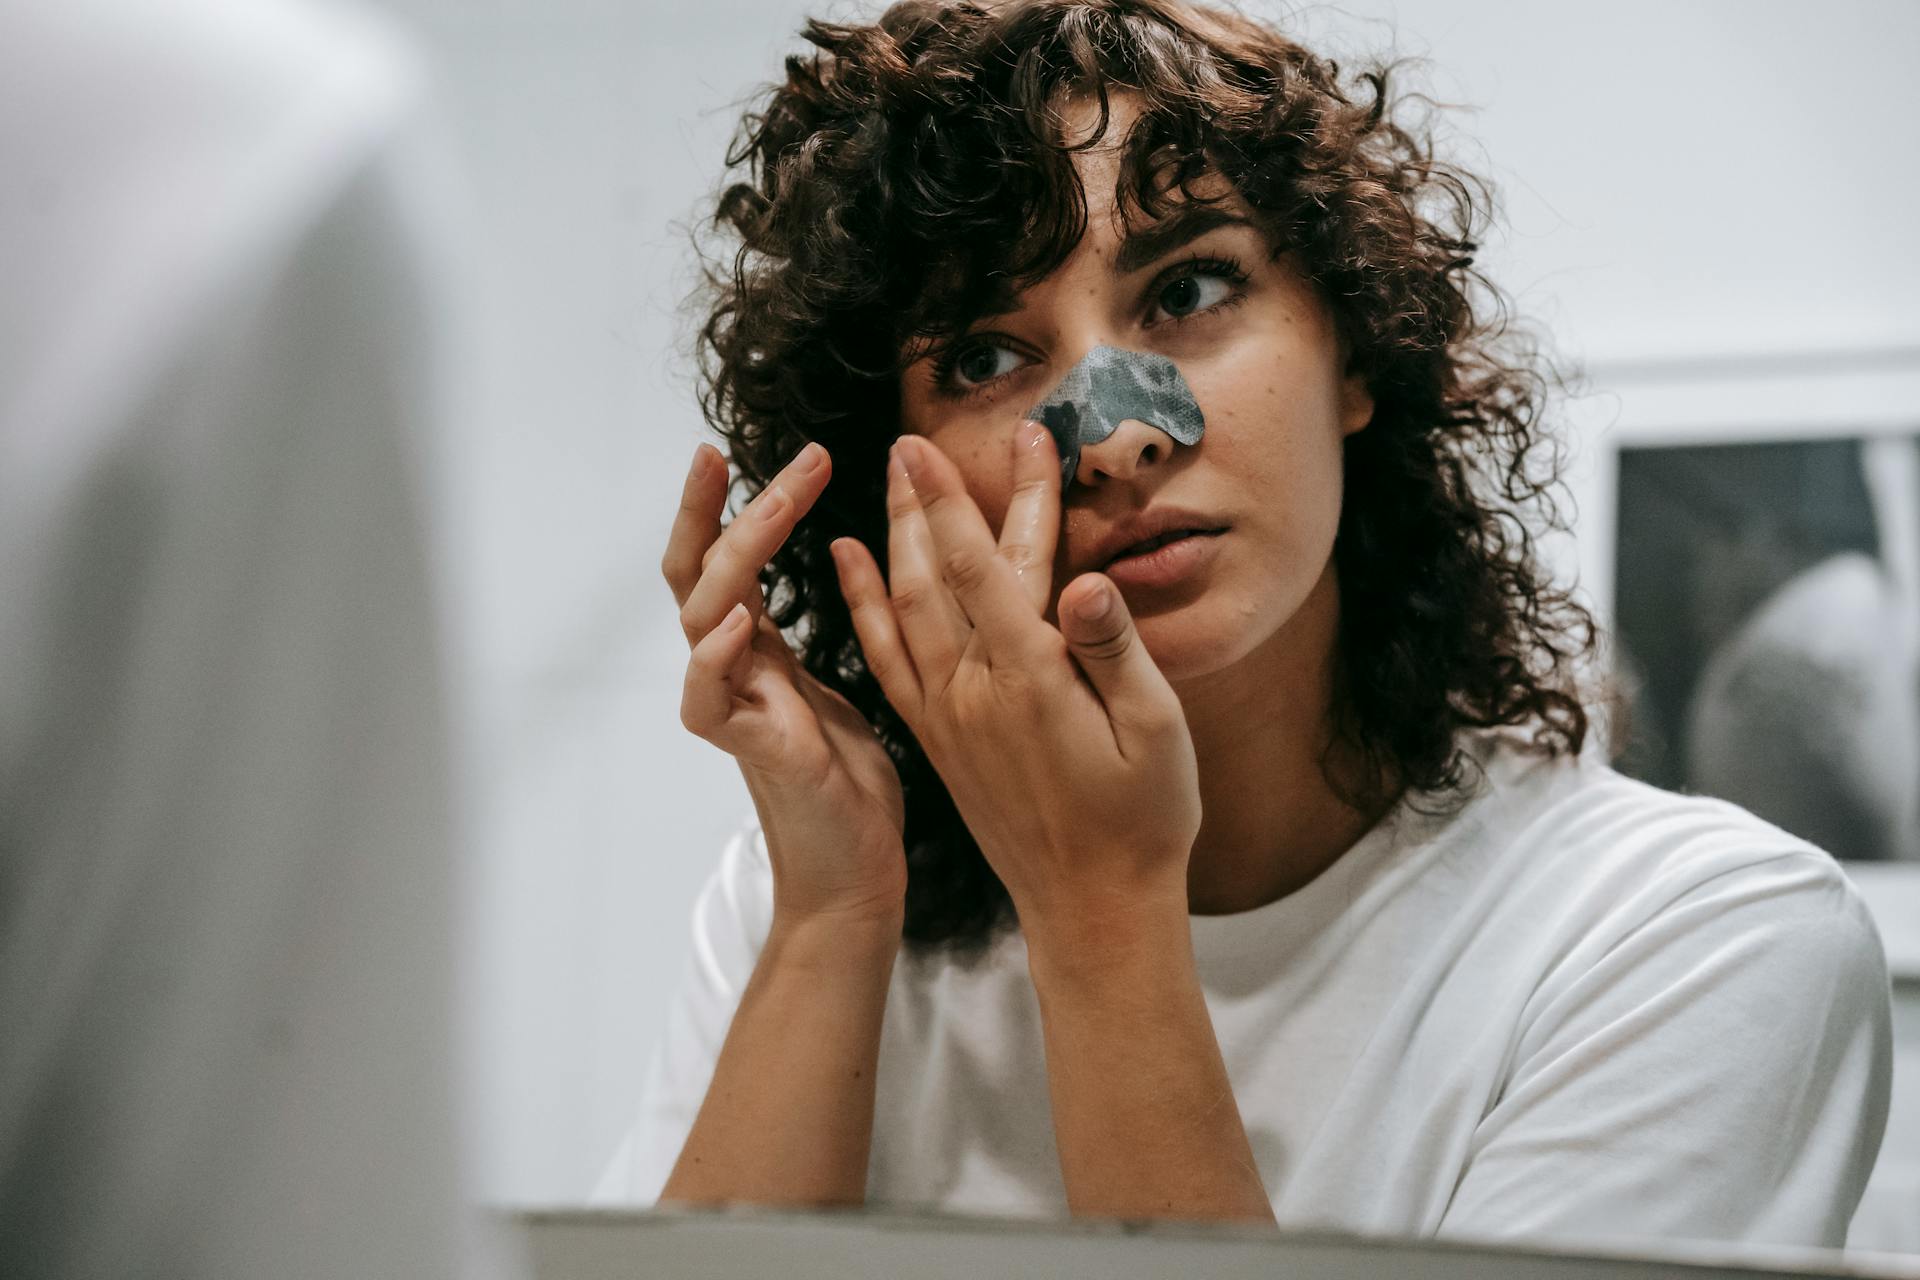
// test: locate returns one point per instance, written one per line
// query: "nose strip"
(1108, 387)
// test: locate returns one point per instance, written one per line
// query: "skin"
(1248, 647)
(1118, 772)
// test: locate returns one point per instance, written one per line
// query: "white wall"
(1707, 178)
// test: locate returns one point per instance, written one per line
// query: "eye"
(973, 365)
(1197, 291)
(1193, 293)
(984, 363)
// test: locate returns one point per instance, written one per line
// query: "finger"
(933, 630)
(877, 628)
(732, 573)
(697, 523)
(1031, 532)
(986, 587)
(740, 706)
(1099, 631)
(714, 675)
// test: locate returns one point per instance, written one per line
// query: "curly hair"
(915, 170)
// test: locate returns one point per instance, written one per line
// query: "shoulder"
(1585, 819)
(1599, 861)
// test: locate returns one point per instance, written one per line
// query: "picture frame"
(1629, 411)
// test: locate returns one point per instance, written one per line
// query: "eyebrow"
(1189, 222)
(1139, 248)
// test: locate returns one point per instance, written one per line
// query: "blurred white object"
(227, 873)
(1809, 714)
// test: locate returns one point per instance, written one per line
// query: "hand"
(1065, 751)
(827, 793)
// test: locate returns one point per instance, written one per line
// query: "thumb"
(1099, 632)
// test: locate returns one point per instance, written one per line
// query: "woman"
(1258, 876)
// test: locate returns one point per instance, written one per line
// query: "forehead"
(1098, 166)
(1123, 239)
(974, 278)
(1133, 239)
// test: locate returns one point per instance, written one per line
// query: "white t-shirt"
(1580, 1008)
(228, 873)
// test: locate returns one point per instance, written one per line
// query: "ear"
(1356, 404)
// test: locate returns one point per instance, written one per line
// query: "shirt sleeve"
(1722, 1072)
(731, 919)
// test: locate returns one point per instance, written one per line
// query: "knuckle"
(1106, 648)
(1016, 689)
(962, 571)
(692, 718)
(1050, 651)
(1020, 556)
(881, 668)
(900, 504)
(911, 597)
(671, 570)
(720, 547)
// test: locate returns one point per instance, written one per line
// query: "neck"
(1272, 821)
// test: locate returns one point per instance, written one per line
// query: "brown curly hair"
(910, 173)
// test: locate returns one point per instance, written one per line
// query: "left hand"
(1065, 750)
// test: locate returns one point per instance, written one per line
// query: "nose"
(1132, 446)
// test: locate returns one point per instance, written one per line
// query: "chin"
(1212, 633)
(1187, 646)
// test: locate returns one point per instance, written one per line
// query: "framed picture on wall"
(1751, 534)
(1767, 632)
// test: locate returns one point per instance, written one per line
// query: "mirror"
(596, 139)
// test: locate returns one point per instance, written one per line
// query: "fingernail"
(811, 456)
(735, 616)
(897, 468)
(774, 504)
(1096, 606)
(1037, 435)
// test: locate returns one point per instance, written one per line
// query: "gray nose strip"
(1111, 386)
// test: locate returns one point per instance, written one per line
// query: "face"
(1259, 351)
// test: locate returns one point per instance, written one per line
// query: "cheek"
(1291, 458)
(986, 470)
(1276, 433)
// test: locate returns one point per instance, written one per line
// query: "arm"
(789, 1115)
(1068, 756)
(1143, 1111)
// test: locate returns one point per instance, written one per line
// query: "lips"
(1161, 540)
(1148, 529)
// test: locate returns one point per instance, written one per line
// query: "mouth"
(1153, 544)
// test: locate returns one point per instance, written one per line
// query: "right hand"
(827, 793)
